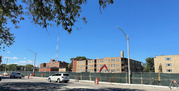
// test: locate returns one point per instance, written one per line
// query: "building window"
(112, 65)
(118, 69)
(80, 70)
(112, 60)
(117, 65)
(109, 60)
(81, 62)
(101, 61)
(92, 65)
(89, 65)
(106, 61)
(101, 65)
(169, 70)
(89, 70)
(117, 60)
(92, 69)
(89, 61)
(168, 64)
(168, 59)
(112, 70)
(81, 66)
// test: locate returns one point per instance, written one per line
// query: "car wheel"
(49, 80)
(66, 81)
(19, 77)
(58, 80)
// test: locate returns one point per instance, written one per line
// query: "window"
(89, 70)
(101, 61)
(168, 59)
(80, 70)
(89, 61)
(109, 60)
(117, 65)
(168, 64)
(112, 60)
(101, 65)
(92, 69)
(118, 69)
(112, 65)
(92, 65)
(169, 70)
(106, 61)
(112, 70)
(117, 60)
(81, 62)
(81, 66)
(89, 65)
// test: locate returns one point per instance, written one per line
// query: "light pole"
(34, 59)
(128, 54)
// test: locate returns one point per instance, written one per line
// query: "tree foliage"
(149, 65)
(43, 13)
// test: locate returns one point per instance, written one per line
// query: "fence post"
(90, 77)
(80, 76)
(141, 78)
(126, 77)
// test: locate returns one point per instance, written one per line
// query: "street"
(36, 84)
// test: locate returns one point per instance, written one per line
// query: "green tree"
(148, 66)
(29, 67)
(43, 13)
(12, 67)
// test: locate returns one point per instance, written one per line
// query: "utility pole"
(129, 71)
(34, 59)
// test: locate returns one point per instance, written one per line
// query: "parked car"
(60, 77)
(16, 75)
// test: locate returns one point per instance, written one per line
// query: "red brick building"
(53, 65)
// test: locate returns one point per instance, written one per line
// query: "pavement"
(41, 84)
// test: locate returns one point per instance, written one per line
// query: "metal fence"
(136, 78)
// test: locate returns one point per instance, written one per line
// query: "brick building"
(114, 65)
(53, 65)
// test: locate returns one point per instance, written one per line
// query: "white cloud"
(26, 62)
(16, 63)
(8, 52)
(12, 58)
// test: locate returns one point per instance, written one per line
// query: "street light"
(34, 59)
(128, 54)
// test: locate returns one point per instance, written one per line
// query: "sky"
(152, 27)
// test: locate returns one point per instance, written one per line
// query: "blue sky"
(152, 26)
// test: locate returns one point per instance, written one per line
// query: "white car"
(60, 77)
(15, 75)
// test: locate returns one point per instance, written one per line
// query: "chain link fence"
(163, 79)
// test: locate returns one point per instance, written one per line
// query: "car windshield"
(65, 75)
(18, 73)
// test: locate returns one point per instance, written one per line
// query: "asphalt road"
(36, 84)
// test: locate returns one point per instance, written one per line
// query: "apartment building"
(53, 65)
(114, 65)
(167, 63)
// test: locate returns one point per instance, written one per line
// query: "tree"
(149, 65)
(42, 12)
(29, 67)
(77, 58)
(12, 67)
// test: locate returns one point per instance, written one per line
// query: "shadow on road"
(29, 86)
(103, 89)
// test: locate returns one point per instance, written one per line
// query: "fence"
(136, 78)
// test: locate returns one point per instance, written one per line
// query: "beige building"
(114, 65)
(169, 63)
